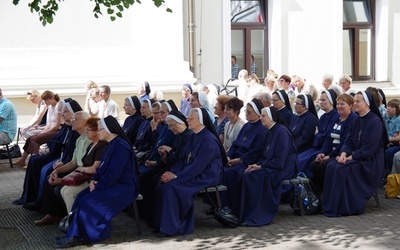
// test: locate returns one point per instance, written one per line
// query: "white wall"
(147, 44)
(213, 36)
(394, 42)
(306, 38)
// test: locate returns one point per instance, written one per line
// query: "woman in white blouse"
(235, 123)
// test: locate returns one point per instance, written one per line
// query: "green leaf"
(95, 15)
(107, 4)
(110, 11)
(169, 10)
(15, 2)
(49, 20)
(120, 7)
(44, 23)
(112, 18)
(119, 14)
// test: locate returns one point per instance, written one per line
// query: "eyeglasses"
(28, 93)
(249, 112)
(163, 112)
(298, 103)
(73, 119)
(170, 126)
(189, 118)
(156, 113)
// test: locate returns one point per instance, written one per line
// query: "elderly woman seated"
(304, 124)
(112, 189)
(327, 101)
(260, 184)
(244, 151)
(333, 141)
(200, 168)
(357, 171)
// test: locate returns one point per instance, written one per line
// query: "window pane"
(365, 52)
(257, 51)
(356, 11)
(347, 52)
(246, 11)
(237, 43)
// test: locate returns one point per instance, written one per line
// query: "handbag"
(310, 200)
(65, 222)
(15, 152)
(143, 156)
(392, 185)
(75, 178)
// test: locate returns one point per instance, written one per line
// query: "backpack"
(311, 202)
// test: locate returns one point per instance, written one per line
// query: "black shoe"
(20, 201)
(162, 235)
(32, 206)
(65, 243)
(243, 224)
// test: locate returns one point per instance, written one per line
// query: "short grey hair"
(328, 77)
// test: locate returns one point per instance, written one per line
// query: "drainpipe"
(192, 27)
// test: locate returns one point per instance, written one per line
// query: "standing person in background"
(38, 122)
(144, 91)
(8, 120)
(110, 107)
(89, 101)
(184, 108)
(235, 68)
(345, 82)
(96, 102)
(253, 66)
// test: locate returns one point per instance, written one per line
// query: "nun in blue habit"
(144, 138)
(260, 184)
(281, 101)
(327, 102)
(134, 119)
(113, 188)
(245, 150)
(164, 137)
(352, 179)
(200, 168)
(304, 124)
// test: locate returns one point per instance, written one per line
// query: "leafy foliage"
(114, 8)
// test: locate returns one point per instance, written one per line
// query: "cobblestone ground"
(376, 229)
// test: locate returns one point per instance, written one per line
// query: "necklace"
(230, 128)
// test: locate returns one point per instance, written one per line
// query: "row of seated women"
(180, 163)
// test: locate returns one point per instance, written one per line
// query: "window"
(358, 39)
(249, 35)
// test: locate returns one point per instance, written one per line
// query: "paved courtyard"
(378, 228)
